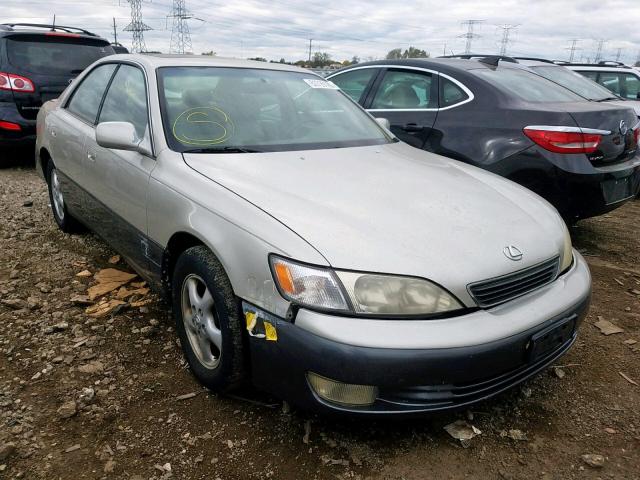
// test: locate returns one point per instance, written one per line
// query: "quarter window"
(85, 101)
(126, 100)
(450, 93)
(355, 82)
(404, 90)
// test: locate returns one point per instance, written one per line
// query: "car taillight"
(636, 133)
(14, 127)
(8, 81)
(566, 139)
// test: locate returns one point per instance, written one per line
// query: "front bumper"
(413, 381)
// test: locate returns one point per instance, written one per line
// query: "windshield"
(527, 85)
(53, 55)
(242, 109)
(574, 82)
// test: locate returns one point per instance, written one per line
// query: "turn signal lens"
(306, 285)
(564, 142)
(342, 393)
(567, 252)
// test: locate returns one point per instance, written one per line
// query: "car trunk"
(617, 147)
(51, 61)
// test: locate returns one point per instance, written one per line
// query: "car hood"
(395, 209)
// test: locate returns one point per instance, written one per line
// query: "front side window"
(404, 90)
(222, 109)
(631, 86)
(354, 82)
(450, 93)
(611, 81)
(526, 85)
(126, 100)
(86, 99)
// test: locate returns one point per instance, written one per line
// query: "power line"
(600, 45)
(573, 48)
(470, 35)
(137, 27)
(180, 35)
(115, 31)
(506, 31)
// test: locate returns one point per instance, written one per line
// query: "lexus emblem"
(512, 253)
(624, 128)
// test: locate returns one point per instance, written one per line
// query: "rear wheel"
(66, 222)
(208, 319)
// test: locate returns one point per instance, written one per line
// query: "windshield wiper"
(222, 150)
(606, 99)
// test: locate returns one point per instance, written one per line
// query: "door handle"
(412, 127)
(91, 156)
(53, 132)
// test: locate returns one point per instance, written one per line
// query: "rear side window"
(626, 85)
(126, 100)
(54, 55)
(355, 82)
(404, 90)
(450, 93)
(86, 99)
(527, 85)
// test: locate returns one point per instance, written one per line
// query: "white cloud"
(367, 28)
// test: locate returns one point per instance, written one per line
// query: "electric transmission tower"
(573, 48)
(137, 27)
(600, 45)
(180, 36)
(618, 54)
(506, 32)
(470, 35)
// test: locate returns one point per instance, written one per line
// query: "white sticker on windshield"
(317, 83)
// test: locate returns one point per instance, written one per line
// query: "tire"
(66, 222)
(203, 319)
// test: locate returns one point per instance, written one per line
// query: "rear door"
(408, 98)
(51, 61)
(68, 127)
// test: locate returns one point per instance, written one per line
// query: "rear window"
(527, 85)
(54, 55)
(573, 81)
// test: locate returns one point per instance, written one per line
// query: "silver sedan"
(302, 246)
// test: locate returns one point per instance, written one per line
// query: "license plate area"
(617, 189)
(551, 338)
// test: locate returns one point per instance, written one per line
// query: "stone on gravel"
(109, 279)
(593, 460)
(7, 450)
(91, 367)
(67, 410)
(606, 327)
(461, 430)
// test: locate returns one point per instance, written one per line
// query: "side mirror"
(638, 95)
(118, 136)
(384, 122)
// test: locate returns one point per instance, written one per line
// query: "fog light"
(342, 393)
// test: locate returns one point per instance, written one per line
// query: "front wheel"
(208, 320)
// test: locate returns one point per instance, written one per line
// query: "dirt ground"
(87, 398)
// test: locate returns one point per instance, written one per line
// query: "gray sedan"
(302, 246)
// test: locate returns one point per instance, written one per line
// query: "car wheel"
(66, 222)
(208, 320)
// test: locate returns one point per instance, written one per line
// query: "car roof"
(44, 29)
(155, 60)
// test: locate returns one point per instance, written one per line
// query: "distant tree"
(637, 63)
(258, 59)
(415, 53)
(282, 60)
(355, 60)
(394, 54)
(321, 59)
(210, 53)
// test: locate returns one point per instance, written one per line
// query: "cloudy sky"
(366, 28)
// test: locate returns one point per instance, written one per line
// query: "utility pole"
(600, 45)
(573, 48)
(469, 35)
(137, 27)
(638, 59)
(506, 32)
(618, 54)
(115, 31)
(180, 35)
(310, 42)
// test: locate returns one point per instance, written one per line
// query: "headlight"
(368, 293)
(567, 252)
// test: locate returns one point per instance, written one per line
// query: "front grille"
(495, 291)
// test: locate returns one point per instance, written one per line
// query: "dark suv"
(37, 62)
(498, 115)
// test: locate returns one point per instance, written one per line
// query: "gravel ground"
(84, 397)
